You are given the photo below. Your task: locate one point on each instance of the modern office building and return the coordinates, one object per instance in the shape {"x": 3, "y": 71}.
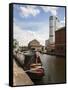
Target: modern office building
{"x": 46, "y": 43}
{"x": 54, "y": 24}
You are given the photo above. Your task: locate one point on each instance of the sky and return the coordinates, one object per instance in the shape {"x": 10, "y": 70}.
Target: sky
{"x": 32, "y": 22}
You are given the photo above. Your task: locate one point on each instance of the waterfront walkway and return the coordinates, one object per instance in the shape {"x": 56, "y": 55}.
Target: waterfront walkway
{"x": 19, "y": 76}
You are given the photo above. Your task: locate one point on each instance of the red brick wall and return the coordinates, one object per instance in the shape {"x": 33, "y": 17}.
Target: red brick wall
{"x": 60, "y": 41}
{"x": 60, "y": 36}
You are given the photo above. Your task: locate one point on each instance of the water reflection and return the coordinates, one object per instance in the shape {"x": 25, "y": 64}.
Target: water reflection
{"x": 54, "y": 67}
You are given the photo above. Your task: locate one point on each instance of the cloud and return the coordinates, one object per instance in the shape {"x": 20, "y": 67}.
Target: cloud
{"x": 33, "y": 10}
{"x": 30, "y": 26}
{"x": 52, "y": 10}
{"x": 29, "y": 10}
{"x": 62, "y": 22}
{"x": 23, "y": 36}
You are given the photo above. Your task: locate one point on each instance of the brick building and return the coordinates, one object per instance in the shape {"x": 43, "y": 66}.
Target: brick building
{"x": 60, "y": 41}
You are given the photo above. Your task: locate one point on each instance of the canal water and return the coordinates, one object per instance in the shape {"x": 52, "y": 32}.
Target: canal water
{"x": 54, "y": 68}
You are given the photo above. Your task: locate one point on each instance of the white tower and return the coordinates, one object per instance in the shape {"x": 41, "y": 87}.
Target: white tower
{"x": 53, "y": 25}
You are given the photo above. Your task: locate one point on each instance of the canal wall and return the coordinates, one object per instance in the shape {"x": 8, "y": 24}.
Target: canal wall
{"x": 55, "y": 54}
{"x": 19, "y": 76}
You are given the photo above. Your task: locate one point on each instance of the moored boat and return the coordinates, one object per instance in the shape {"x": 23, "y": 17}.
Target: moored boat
{"x": 36, "y": 71}
{"x": 33, "y": 66}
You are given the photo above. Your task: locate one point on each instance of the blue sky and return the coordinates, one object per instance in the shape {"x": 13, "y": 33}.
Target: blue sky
{"x": 32, "y": 22}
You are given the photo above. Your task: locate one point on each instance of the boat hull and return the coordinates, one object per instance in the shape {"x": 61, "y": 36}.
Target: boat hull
{"x": 38, "y": 74}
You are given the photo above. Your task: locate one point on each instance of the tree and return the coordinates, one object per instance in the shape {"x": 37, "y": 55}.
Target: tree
{"x": 15, "y": 43}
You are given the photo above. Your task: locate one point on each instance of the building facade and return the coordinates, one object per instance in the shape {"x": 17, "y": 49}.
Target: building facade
{"x": 46, "y": 43}
{"x": 35, "y": 45}
{"x": 60, "y": 41}
{"x": 54, "y": 24}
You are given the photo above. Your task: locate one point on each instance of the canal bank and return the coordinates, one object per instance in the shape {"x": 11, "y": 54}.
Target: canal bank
{"x": 19, "y": 76}
{"x": 54, "y": 72}
{"x": 54, "y": 54}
